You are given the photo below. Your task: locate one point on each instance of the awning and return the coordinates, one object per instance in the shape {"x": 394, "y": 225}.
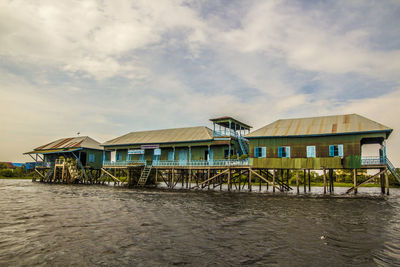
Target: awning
{"x": 52, "y": 151}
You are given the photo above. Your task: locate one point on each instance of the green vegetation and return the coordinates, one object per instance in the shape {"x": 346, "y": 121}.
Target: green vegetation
{"x": 17, "y": 173}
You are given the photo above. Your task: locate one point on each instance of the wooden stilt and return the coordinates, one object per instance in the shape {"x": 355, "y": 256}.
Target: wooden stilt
{"x": 309, "y": 180}
{"x": 190, "y": 178}
{"x": 173, "y": 178}
{"x": 249, "y": 186}
{"x": 355, "y": 181}
{"x": 273, "y": 181}
{"x": 324, "y": 181}
{"x": 229, "y": 179}
{"x": 297, "y": 182}
{"x": 156, "y": 181}
{"x": 305, "y": 180}
{"x": 382, "y": 180}
{"x": 387, "y": 183}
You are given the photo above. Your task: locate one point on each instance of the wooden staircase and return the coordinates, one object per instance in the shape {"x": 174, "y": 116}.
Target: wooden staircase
{"x": 144, "y": 175}
{"x": 73, "y": 172}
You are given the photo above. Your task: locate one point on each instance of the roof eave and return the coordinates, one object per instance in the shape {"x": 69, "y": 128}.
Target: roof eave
{"x": 158, "y": 143}
{"x": 389, "y": 131}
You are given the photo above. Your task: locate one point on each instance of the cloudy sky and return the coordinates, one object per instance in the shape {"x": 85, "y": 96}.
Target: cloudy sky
{"x": 108, "y": 67}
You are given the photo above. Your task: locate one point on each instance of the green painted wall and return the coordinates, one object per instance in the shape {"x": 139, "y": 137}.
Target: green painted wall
{"x": 197, "y": 152}
{"x": 298, "y": 153}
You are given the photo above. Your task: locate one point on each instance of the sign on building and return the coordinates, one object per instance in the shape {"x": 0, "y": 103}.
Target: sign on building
{"x": 135, "y": 151}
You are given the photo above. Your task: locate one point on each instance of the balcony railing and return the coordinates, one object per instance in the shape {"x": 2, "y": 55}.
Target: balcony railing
{"x": 232, "y": 162}
{"x": 124, "y": 163}
{"x": 41, "y": 164}
{"x": 373, "y": 160}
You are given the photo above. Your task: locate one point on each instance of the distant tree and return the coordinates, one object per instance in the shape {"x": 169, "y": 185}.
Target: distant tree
{"x": 3, "y": 166}
{"x": 6, "y": 173}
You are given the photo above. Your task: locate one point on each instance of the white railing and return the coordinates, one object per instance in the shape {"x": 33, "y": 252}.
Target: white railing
{"x": 43, "y": 164}
{"x": 225, "y": 133}
{"x": 124, "y": 163}
{"x": 373, "y": 160}
{"x": 222, "y": 162}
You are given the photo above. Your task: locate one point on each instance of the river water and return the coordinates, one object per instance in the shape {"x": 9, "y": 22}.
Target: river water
{"x": 64, "y": 225}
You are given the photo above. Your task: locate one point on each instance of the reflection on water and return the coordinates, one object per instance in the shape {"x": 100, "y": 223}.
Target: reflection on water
{"x": 43, "y": 224}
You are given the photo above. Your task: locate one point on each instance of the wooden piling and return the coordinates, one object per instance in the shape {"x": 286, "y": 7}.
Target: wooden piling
{"x": 249, "y": 186}
{"x": 355, "y": 181}
{"x": 297, "y": 182}
{"x": 273, "y": 181}
{"x": 387, "y": 183}
{"x": 324, "y": 181}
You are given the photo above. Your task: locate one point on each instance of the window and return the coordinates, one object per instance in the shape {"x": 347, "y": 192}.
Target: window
{"x": 336, "y": 151}
{"x": 91, "y": 157}
{"x": 171, "y": 155}
{"x": 260, "y": 152}
{"x": 284, "y": 152}
{"x": 311, "y": 152}
{"x": 118, "y": 156}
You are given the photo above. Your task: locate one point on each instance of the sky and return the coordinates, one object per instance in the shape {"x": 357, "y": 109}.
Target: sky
{"x": 108, "y": 67}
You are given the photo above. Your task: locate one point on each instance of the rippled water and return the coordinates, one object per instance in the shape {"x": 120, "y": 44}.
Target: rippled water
{"x": 58, "y": 225}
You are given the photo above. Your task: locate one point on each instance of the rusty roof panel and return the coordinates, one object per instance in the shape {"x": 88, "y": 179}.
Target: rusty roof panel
{"x": 350, "y": 123}
{"x": 72, "y": 142}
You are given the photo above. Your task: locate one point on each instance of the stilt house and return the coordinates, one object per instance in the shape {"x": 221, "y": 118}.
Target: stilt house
{"x": 179, "y": 146}
{"x": 331, "y": 142}
{"x": 86, "y": 150}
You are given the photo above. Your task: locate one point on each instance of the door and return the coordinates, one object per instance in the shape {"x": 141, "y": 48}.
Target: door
{"x": 83, "y": 158}
{"x": 113, "y": 156}
{"x": 182, "y": 157}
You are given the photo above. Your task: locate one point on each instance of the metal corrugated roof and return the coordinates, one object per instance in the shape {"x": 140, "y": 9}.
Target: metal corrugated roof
{"x": 72, "y": 142}
{"x": 190, "y": 134}
{"x": 51, "y": 151}
{"x": 337, "y": 124}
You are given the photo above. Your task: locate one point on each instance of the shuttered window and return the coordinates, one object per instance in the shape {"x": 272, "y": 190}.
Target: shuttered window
{"x": 311, "y": 152}
{"x": 260, "y": 152}
{"x": 284, "y": 152}
{"x": 336, "y": 150}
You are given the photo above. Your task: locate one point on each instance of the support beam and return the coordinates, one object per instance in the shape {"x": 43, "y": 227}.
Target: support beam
{"x": 369, "y": 179}
{"x": 297, "y": 182}
{"x": 215, "y": 176}
{"x": 263, "y": 178}
{"x": 324, "y": 181}
{"x": 112, "y": 176}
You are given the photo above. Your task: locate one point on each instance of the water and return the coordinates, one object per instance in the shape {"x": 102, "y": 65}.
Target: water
{"x": 59, "y": 225}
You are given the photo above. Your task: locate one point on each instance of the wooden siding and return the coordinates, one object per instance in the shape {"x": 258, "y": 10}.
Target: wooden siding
{"x": 298, "y": 151}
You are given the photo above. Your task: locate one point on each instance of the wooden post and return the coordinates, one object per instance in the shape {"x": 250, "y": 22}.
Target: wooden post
{"x": 387, "y": 183}
{"x": 62, "y": 172}
{"x": 208, "y": 175}
{"x": 382, "y": 180}
{"x": 173, "y": 178}
{"x": 250, "y": 180}
{"x": 190, "y": 178}
{"x": 309, "y": 180}
{"x": 324, "y": 181}
{"x": 273, "y": 181}
{"x": 229, "y": 179}
{"x": 297, "y": 182}
{"x": 305, "y": 180}
{"x": 355, "y": 180}
{"x": 154, "y": 181}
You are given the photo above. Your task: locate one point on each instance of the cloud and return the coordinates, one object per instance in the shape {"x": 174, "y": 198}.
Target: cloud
{"x": 106, "y": 68}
